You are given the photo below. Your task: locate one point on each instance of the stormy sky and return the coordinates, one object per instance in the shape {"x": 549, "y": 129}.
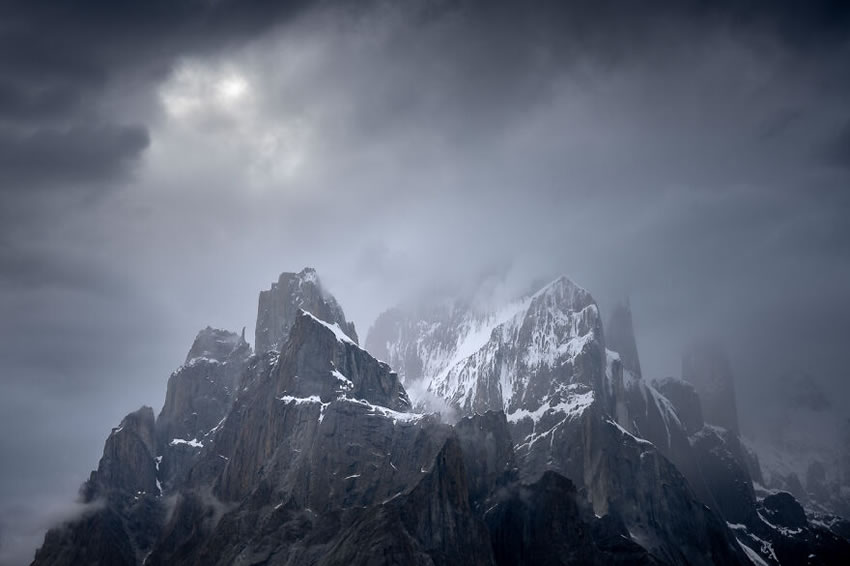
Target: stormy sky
{"x": 162, "y": 161}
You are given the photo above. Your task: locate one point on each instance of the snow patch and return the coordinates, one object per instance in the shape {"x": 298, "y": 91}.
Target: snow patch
{"x": 346, "y": 383}
{"x": 752, "y": 555}
{"x": 194, "y": 443}
{"x": 642, "y": 441}
{"x": 340, "y": 335}
{"x": 377, "y": 410}
{"x": 307, "y": 400}
{"x": 573, "y": 407}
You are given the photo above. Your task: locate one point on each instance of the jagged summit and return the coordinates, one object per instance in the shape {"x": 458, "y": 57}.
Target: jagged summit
{"x": 706, "y": 366}
{"x": 278, "y": 306}
{"x": 127, "y": 462}
{"x": 320, "y": 360}
{"x": 620, "y": 336}
{"x": 216, "y": 344}
{"x": 198, "y": 396}
{"x": 461, "y": 327}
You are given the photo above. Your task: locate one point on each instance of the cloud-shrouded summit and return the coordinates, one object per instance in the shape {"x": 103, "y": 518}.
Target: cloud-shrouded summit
{"x": 160, "y": 162}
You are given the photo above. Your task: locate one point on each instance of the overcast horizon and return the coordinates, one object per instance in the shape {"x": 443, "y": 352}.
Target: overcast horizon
{"x": 162, "y": 162}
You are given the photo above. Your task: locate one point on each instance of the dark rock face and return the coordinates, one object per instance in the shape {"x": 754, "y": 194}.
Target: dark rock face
{"x": 628, "y": 476}
{"x": 198, "y": 397}
{"x": 321, "y": 386}
{"x": 548, "y": 523}
{"x": 543, "y": 361}
{"x": 707, "y": 368}
{"x": 310, "y": 453}
{"x": 685, "y": 400}
{"x": 278, "y": 308}
{"x": 216, "y": 344}
{"x": 313, "y": 474}
{"x": 128, "y": 462}
{"x": 98, "y": 538}
{"x": 720, "y": 458}
{"x": 783, "y": 534}
{"x": 119, "y": 524}
{"x": 783, "y": 510}
{"x": 488, "y": 453}
{"x": 655, "y": 418}
{"x": 620, "y": 337}
{"x": 437, "y": 513}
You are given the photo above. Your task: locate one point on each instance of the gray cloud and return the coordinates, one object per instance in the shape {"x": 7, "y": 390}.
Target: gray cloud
{"x": 67, "y": 157}
{"x": 836, "y": 151}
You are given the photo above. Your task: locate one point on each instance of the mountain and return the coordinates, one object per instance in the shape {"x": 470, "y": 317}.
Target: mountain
{"x": 620, "y": 334}
{"x": 707, "y": 368}
{"x": 803, "y": 444}
{"x": 310, "y": 450}
{"x": 542, "y": 360}
{"x": 576, "y": 405}
{"x": 278, "y": 307}
{"x": 198, "y": 398}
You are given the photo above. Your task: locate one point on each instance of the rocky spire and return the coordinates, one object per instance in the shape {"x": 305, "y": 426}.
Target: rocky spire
{"x": 199, "y": 395}
{"x": 707, "y": 368}
{"x": 128, "y": 463}
{"x": 620, "y": 337}
{"x": 278, "y": 308}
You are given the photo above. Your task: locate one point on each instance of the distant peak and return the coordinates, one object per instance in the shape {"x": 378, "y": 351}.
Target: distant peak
{"x": 216, "y": 344}
{"x": 562, "y": 283}
{"x": 620, "y": 336}
{"x": 564, "y": 290}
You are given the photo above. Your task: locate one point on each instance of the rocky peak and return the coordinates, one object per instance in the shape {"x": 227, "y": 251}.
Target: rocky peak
{"x": 320, "y": 359}
{"x": 782, "y": 509}
{"x": 685, "y": 400}
{"x": 128, "y": 463}
{"x": 488, "y": 453}
{"x": 801, "y": 390}
{"x": 518, "y": 356}
{"x": 706, "y": 366}
{"x": 278, "y": 307}
{"x": 216, "y": 344}
{"x": 198, "y": 396}
{"x": 620, "y": 337}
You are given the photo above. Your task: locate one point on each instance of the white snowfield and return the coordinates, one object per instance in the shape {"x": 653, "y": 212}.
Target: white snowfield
{"x": 552, "y": 328}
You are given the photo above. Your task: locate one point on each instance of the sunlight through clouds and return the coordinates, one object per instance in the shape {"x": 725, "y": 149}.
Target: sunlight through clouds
{"x": 197, "y": 89}
{"x": 218, "y": 110}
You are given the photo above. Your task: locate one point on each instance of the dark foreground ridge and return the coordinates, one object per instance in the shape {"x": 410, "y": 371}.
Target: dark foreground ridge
{"x": 310, "y": 452}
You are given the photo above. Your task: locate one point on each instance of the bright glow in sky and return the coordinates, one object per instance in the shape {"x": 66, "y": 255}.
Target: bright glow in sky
{"x": 231, "y": 89}
{"x": 198, "y": 89}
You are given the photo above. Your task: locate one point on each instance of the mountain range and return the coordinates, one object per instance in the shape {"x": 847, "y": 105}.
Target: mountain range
{"x": 523, "y": 434}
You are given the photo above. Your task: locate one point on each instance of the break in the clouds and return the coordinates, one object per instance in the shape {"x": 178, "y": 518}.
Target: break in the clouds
{"x": 161, "y": 162}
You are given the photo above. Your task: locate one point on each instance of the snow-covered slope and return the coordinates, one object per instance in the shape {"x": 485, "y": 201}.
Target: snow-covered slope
{"x": 542, "y": 360}
{"x": 520, "y": 357}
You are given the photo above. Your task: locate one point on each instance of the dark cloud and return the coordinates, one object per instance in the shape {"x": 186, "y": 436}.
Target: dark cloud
{"x": 63, "y": 158}
{"x": 836, "y": 150}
